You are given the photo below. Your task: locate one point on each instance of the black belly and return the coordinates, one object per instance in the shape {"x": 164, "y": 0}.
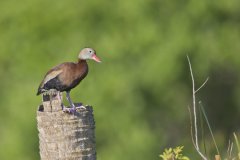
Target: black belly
{"x": 55, "y": 83}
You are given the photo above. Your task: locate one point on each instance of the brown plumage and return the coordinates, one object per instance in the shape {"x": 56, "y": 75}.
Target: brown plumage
{"x": 67, "y": 75}
{"x": 64, "y": 77}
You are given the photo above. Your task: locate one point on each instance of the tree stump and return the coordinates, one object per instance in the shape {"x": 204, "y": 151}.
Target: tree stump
{"x": 64, "y": 136}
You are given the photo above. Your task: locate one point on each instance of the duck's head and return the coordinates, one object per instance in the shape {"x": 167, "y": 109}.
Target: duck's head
{"x": 88, "y": 53}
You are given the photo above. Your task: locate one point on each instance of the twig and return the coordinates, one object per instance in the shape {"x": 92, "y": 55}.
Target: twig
{"x": 237, "y": 143}
{"x": 202, "y": 85}
{"x": 189, "y": 109}
{"x": 228, "y": 149}
{"x": 231, "y": 149}
{"x": 194, "y": 110}
{"x": 194, "y": 103}
{"x": 236, "y": 140}
{"x": 209, "y": 127}
{"x": 203, "y": 132}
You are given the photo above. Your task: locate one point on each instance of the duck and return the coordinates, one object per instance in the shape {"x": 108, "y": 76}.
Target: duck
{"x": 66, "y": 76}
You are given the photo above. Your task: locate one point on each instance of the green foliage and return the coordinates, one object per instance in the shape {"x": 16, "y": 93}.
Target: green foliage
{"x": 174, "y": 154}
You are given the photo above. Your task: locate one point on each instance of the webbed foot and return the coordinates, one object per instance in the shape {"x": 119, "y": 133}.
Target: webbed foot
{"x": 69, "y": 110}
{"x": 81, "y": 107}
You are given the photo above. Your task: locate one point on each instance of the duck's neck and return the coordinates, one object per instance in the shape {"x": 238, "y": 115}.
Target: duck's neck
{"x": 81, "y": 61}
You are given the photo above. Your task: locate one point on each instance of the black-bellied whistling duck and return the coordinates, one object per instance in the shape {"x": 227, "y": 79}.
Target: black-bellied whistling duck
{"x": 68, "y": 75}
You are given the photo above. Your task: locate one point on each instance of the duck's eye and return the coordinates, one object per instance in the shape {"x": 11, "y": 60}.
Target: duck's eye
{"x": 90, "y": 51}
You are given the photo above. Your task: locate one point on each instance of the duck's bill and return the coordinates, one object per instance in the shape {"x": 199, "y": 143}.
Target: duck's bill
{"x": 95, "y": 58}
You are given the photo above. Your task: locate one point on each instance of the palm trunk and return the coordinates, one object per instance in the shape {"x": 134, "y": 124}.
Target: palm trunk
{"x": 64, "y": 136}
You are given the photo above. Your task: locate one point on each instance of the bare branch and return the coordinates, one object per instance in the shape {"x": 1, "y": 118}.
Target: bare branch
{"x": 194, "y": 104}
{"x": 194, "y": 111}
{"x": 231, "y": 149}
{"x": 202, "y": 85}
{"x": 209, "y": 127}
{"x": 228, "y": 149}
{"x": 190, "y": 115}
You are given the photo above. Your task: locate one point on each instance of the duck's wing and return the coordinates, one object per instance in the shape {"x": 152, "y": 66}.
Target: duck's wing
{"x": 51, "y": 74}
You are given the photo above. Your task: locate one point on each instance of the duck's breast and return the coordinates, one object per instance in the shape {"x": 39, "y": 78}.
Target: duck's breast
{"x": 72, "y": 74}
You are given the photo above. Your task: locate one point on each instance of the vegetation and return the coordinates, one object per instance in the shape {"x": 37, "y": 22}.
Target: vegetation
{"x": 173, "y": 154}
{"x": 141, "y": 91}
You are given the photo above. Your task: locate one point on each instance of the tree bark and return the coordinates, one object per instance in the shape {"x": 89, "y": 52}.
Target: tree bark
{"x": 64, "y": 136}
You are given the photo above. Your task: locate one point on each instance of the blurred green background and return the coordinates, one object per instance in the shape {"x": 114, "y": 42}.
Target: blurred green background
{"x": 141, "y": 91}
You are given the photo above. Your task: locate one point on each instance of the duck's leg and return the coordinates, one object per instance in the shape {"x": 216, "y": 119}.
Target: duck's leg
{"x": 69, "y": 100}
{"x": 73, "y": 108}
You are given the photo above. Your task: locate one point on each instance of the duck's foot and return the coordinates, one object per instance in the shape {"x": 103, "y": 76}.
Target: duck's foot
{"x": 81, "y": 107}
{"x": 74, "y": 109}
{"x": 69, "y": 110}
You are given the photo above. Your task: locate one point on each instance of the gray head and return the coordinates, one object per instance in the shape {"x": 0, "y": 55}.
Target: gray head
{"x": 88, "y": 53}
